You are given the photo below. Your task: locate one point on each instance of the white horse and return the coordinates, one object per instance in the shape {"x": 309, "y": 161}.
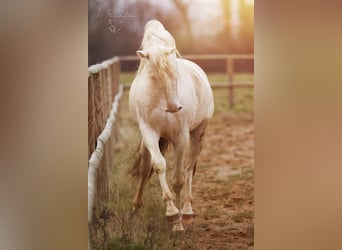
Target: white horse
{"x": 172, "y": 102}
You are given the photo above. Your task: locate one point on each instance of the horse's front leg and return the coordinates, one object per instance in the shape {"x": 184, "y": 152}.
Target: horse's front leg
{"x": 151, "y": 141}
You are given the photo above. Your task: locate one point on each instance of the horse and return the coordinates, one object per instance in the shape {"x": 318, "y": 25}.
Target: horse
{"x": 172, "y": 102}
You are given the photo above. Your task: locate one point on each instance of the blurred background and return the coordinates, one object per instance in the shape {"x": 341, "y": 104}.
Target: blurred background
{"x": 199, "y": 27}
{"x": 44, "y": 113}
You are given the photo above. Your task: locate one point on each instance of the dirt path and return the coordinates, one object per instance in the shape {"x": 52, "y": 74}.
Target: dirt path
{"x": 223, "y": 185}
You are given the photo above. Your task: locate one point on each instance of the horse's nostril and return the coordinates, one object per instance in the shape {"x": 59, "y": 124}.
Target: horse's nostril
{"x": 179, "y": 108}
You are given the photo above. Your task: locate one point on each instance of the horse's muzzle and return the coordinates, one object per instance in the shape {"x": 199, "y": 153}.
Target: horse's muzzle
{"x": 173, "y": 108}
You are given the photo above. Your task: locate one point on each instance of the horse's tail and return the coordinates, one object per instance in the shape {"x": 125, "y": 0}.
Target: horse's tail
{"x": 200, "y": 142}
{"x": 134, "y": 170}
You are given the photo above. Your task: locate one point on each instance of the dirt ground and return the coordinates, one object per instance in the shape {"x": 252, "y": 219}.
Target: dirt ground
{"x": 223, "y": 185}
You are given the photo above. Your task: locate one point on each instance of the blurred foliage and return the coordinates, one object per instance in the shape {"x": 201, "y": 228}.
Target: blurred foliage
{"x": 116, "y": 28}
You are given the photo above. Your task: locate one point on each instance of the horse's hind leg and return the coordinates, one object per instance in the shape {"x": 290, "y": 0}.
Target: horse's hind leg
{"x": 144, "y": 169}
{"x": 195, "y": 149}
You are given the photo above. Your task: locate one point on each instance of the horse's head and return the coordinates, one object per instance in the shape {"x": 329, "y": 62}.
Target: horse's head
{"x": 154, "y": 24}
{"x": 161, "y": 64}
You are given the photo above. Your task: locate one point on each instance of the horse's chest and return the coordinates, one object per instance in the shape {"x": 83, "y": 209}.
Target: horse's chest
{"x": 166, "y": 125}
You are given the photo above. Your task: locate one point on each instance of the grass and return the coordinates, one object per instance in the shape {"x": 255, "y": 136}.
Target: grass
{"x": 126, "y": 78}
{"x": 210, "y": 213}
{"x": 246, "y": 174}
{"x": 242, "y": 215}
{"x": 223, "y": 77}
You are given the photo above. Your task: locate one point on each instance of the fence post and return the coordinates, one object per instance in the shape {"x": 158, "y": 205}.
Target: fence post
{"x": 230, "y": 72}
{"x": 98, "y": 103}
{"x": 115, "y": 75}
{"x": 91, "y": 117}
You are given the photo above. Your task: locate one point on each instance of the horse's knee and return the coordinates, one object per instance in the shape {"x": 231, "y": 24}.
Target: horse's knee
{"x": 159, "y": 166}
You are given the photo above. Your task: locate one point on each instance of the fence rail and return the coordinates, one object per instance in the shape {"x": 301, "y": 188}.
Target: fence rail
{"x": 230, "y": 62}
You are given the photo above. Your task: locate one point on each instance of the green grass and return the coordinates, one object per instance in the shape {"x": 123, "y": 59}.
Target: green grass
{"x": 223, "y": 77}
{"x": 243, "y": 100}
{"x": 127, "y": 77}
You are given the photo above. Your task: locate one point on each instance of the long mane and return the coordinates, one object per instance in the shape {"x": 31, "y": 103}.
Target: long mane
{"x": 160, "y": 63}
{"x": 155, "y": 35}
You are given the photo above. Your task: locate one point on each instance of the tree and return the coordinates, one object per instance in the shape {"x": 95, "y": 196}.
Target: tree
{"x": 183, "y": 10}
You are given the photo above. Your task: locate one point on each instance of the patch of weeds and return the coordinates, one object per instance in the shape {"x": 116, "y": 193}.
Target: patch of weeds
{"x": 210, "y": 213}
{"x": 124, "y": 244}
{"x": 204, "y": 226}
{"x": 246, "y": 175}
{"x": 202, "y": 166}
{"x": 241, "y": 216}
{"x": 218, "y": 181}
{"x": 250, "y": 234}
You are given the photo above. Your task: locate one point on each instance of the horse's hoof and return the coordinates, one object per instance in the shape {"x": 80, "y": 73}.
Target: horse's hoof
{"x": 174, "y": 219}
{"x": 178, "y": 227}
{"x": 188, "y": 219}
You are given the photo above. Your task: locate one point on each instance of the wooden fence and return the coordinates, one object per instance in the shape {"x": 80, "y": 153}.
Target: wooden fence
{"x": 230, "y": 62}
{"x": 103, "y": 88}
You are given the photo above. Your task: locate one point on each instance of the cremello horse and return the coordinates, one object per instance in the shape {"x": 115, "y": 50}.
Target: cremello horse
{"x": 172, "y": 102}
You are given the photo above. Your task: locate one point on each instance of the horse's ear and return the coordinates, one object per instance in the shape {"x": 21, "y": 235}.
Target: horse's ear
{"x": 170, "y": 50}
{"x": 142, "y": 53}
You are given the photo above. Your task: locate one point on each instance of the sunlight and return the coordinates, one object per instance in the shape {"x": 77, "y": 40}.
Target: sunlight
{"x": 235, "y": 17}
